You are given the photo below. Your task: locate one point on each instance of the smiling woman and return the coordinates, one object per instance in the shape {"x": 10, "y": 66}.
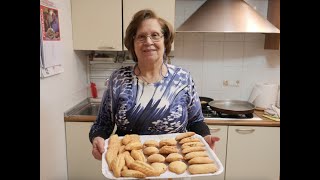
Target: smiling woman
{"x": 152, "y": 97}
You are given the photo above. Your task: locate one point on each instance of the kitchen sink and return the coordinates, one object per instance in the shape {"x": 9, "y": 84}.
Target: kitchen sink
{"x": 85, "y": 108}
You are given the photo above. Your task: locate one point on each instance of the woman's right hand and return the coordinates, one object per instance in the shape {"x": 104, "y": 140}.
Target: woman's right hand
{"x": 97, "y": 147}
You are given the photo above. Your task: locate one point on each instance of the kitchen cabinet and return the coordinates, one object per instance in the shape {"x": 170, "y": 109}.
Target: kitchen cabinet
{"x": 253, "y": 153}
{"x": 272, "y": 41}
{"x": 164, "y": 9}
{"x": 97, "y": 24}
{"x": 81, "y": 163}
{"x": 220, "y": 149}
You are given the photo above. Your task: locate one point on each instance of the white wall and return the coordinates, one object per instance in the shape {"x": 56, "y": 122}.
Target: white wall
{"x": 57, "y": 94}
{"x": 214, "y": 57}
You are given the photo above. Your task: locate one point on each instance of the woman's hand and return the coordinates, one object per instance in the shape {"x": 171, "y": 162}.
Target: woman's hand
{"x": 211, "y": 140}
{"x": 97, "y": 147}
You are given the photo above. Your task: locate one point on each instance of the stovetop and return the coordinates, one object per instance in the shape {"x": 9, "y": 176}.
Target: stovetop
{"x": 210, "y": 114}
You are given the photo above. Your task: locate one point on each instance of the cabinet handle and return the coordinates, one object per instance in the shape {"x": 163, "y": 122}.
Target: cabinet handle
{"x": 245, "y": 131}
{"x": 106, "y": 47}
{"x": 212, "y": 129}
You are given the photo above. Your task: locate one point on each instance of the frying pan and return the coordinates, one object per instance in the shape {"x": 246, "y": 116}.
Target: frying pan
{"x": 232, "y": 106}
{"x": 204, "y": 101}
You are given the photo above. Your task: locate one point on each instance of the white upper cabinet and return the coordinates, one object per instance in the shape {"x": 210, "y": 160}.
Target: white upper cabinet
{"x": 101, "y": 24}
{"x": 97, "y": 25}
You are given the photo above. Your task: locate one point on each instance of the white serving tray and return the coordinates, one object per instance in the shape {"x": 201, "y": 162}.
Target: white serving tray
{"x": 168, "y": 174}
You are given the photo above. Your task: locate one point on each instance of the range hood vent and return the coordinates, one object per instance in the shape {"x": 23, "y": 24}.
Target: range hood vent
{"x": 227, "y": 16}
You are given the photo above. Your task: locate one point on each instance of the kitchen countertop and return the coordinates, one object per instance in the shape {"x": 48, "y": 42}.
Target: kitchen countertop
{"x": 263, "y": 122}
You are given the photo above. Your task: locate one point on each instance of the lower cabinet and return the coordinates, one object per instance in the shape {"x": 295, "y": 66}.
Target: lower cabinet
{"x": 253, "y": 153}
{"x": 81, "y": 163}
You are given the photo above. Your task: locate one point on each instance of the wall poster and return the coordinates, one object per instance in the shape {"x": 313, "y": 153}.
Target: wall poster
{"x": 51, "y": 46}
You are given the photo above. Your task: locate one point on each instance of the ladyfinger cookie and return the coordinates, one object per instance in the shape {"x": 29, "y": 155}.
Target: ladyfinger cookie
{"x": 202, "y": 168}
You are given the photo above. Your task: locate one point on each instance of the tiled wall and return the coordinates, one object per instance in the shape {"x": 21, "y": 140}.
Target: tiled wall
{"x": 214, "y": 57}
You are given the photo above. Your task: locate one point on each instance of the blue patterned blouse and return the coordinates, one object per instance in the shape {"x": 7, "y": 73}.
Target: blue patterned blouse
{"x": 169, "y": 106}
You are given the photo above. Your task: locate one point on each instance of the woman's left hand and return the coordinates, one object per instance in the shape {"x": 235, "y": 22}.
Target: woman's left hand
{"x": 211, "y": 140}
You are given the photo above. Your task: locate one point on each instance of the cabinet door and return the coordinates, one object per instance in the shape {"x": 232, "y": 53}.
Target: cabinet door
{"x": 253, "y": 153}
{"x": 220, "y": 149}
{"x": 97, "y": 25}
{"x": 164, "y": 9}
{"x": 81, "y": 163}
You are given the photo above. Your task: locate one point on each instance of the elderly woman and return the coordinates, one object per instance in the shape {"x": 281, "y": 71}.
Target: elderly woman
{"x": 152, "y": 97}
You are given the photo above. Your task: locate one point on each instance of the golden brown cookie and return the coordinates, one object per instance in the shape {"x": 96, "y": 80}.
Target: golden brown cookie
{"x": 132, "y": 173}
{"x": 202, "y": 168}
{"x": 128, "y": 159}
{"x": 138, "y": 155}
{"x": 149, "y": 143}
{"x": 111, "y": 153}
{"x": 167, "y": 142}
{"x": 189, "y": 139}
{"x": 192, "y": 144}
{"x": 156, "y": 158}
{"x": 117, "y": 165}
{"x": 200, "y": 160}
{"x": 184, "y": 135}
{"x": 177, "y": 167}
{"x": 193, "y": 149}
{"x": 130, "y": 138}
{"x": 133, "y": 145}
{"x": 195, "y": 154}
{"x": 150, "y": 150}
{"x": 168, "y": 149}
{"x": 160, "y": 167}
{"x": 174, "y": 157}
{"x": 145, "y": 168}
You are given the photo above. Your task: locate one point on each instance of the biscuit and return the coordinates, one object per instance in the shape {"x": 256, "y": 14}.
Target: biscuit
{"x": 117, "y": 165}
{"x": 174, "y": 157}
{"x": 133, "y": 145}
{"x": 177, "y": 167}
{"x": 130, "y": 138}
{"x": 144, "y": 168}
{"x": 138, "y": 155}
{"x": 195, "y": 154}
{"x": 192, "y": 144}
{"x": 167, "y": 142}
{"x": 189, "y": 139}
{"x": 202, "y": 168}
{"x": 184, "y": 135}
{"x": 128, "y": 159}
{"x": 153, "y": 143}
{"x": 160, "y": 167}
{"x": 132, "y": 173}
{"x": 156, "y": 158}
{"x": 121, "y": 149}
{"x": 150, "y": 150}
{"x": 111, "y": 154}
{"x": 193, "y": 149}
{"x": 200, "y": 160}
{"x": 114, "y": 140}
{"x": 168, "y": 149}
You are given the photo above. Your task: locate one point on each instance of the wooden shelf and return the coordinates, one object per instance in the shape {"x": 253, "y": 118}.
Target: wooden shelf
{"x": 272, "y": 41}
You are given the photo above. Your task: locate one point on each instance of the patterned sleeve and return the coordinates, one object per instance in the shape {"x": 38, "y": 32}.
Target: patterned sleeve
{"x": 195, "y": 116}
{"x": 104, "y": 124}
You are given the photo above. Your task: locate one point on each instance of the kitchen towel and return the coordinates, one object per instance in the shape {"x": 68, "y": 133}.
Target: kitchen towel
{"x": 264, "y": 94}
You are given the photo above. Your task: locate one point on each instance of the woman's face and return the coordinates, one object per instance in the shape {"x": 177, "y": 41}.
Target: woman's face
{"x": 146, "y": 49}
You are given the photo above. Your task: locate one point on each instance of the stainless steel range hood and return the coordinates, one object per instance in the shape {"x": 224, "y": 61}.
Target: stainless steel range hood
{"x": 227, "y": 16}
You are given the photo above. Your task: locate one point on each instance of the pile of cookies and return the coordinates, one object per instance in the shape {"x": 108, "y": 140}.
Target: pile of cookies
{"x": 128, "y": 157}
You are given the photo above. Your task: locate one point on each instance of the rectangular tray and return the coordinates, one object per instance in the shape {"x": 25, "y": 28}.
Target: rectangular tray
{"x": 168, "y": 174}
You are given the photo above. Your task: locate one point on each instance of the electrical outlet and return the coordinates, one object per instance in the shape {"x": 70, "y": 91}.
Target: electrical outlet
{"x": 231, "y": 83}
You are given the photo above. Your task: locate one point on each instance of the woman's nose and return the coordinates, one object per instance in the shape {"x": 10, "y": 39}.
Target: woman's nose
{"x": 148, "y": 40}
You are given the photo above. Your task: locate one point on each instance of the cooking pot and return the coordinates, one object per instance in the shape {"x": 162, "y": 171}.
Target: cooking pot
{"x": 232, "y": 106}
{"x": 204, "y": 101}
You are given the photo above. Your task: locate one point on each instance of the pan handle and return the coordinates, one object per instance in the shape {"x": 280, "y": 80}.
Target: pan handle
{"x": 245, "y": 130}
